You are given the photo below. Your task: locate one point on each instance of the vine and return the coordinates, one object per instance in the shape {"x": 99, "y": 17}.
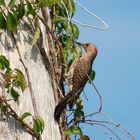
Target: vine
{"x": 64, "y": 48}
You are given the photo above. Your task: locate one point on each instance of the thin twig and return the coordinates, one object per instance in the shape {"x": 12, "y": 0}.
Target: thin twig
{"x": 98, "y": 93}
{"x": 28, "y": 77}
{"x": 124, "y": 131}
{"x": 16, "y": 117}
{"x": 99, "y": 121}
{"x": 119, "y": 126}
{"x": 100, "y": 98}
{"x": 85, "y": 95}
{"x": 104, "y": 127}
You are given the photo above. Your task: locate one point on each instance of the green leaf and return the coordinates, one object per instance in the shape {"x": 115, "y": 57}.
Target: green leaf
{"x": 8, "y": 87}
{"x": 75, "y": 31}
{"x": 3, "y": 107}
{"x": 14, "y": 94}
{"x": 64, "y": 23}
{"x": 78, "y": 49}
{"x": 4, "y": 63}
{"x": 69, "y": 42}
{"x": 30, "y": 9}
{"x": 76, "y": 52}
{"x": 8, "y": 72}
{"x": 79, "y": 103}
{"x": 26, "y": 114}
{"x": 78, "y": 112}
{"x": 8, "y": 77}
{"x": 2, "y": 21}
{"x": 92, "y": 76}
{"x": 38, "y": 125}
{"x": 73, "y": 8}
{"x": 70, "y": 5}
{"x": 36, "y": 36}
{"x": 65, "y": 39}
{"x": 11, "y": 21}
{"x": 2, "y": 2}
{"x": 21, "y": 9}
{"x": 73, "y": 130}
{"x": 19, "y": 80}
{"x": 11, "y": 3}
{"x": 66, "y": 55}
{"x": 59, "y": 29}
{"x": 73, "y": 54}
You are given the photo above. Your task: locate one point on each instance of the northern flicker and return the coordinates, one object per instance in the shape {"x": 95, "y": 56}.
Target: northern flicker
{"x": 78, "y": 76}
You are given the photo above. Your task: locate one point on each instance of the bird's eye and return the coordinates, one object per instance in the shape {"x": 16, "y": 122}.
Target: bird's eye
{"x": 87, "y": 44}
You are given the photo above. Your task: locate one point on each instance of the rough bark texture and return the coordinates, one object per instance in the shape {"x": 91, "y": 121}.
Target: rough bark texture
{"x": 40, "y": 82}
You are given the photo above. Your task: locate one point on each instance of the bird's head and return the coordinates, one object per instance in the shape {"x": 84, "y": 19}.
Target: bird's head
{"x": 90, "y": 48}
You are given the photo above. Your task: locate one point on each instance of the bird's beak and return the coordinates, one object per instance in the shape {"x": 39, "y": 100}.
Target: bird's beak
{"x": 84, "y": 46}
{"x": 79, "y": 43}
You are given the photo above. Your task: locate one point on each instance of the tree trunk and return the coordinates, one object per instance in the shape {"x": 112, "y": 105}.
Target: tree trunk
{"x": 38, "y": 98}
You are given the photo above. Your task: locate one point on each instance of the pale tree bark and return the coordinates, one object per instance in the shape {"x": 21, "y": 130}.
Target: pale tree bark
{"x": 38, "y": 98}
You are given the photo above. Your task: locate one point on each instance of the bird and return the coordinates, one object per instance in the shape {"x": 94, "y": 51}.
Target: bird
{"x": 77, "y": 78}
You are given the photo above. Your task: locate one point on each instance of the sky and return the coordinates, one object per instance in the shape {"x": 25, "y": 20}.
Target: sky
{"x": 117, "y": 65}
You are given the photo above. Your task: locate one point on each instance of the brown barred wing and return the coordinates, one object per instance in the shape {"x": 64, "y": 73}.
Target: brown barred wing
{"x": 79, "y": 78}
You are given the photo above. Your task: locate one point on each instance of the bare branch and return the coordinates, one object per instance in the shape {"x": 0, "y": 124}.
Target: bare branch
{"x": 119, "y": 126}
{"x": 91, "y": 123}
{"x": 12, "y": 113}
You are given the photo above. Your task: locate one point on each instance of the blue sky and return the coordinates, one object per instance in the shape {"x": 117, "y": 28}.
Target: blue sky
{"x": 117, "y": 65}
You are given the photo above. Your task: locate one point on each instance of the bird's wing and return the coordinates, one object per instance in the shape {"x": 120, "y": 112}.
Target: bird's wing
{"x": 70, "y": 73}
{"x": 81, "y": 68}
{"x": 77, "y": 75}
{"x": 80, "y": 72}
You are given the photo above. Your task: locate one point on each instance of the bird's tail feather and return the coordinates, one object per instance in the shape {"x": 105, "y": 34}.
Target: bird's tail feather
{"x": 61, "y": 106}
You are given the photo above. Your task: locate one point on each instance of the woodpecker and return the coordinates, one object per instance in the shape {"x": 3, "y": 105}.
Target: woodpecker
{"x": 77, "y": 78}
